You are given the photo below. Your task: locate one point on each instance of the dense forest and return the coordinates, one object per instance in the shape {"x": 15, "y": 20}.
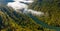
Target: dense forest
{"x": 11, "y": 20}
{"x": 51, "y": 8}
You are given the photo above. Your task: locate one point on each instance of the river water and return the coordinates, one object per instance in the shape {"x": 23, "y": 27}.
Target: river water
{"x": 43, "y": 23}
{"x": 5, "y": 1}
{"x": 34, "y": 18}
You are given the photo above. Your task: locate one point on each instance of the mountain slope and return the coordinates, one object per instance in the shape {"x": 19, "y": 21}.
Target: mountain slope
{"x": 51, "y": 8}
{"x": 9, "y": 17}
{"x": 11, "y": 20}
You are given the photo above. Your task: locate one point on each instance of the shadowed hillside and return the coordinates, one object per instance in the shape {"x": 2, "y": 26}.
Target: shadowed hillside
{"x": 11, "y": 20}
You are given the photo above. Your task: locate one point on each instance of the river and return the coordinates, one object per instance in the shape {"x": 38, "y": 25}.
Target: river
{"x": 43, "y": 23}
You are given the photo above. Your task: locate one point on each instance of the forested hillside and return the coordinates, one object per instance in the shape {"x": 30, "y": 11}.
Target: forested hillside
{"x": 11, "y": 20}
{"x": 51, "y": 8}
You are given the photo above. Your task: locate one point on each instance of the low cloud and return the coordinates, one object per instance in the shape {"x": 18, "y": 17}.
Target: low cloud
{"x": 34, "y": 12}
{"x": 17, "y": 5}
{"x": 25, "y": 1}
{"x": 23, "y": 8}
